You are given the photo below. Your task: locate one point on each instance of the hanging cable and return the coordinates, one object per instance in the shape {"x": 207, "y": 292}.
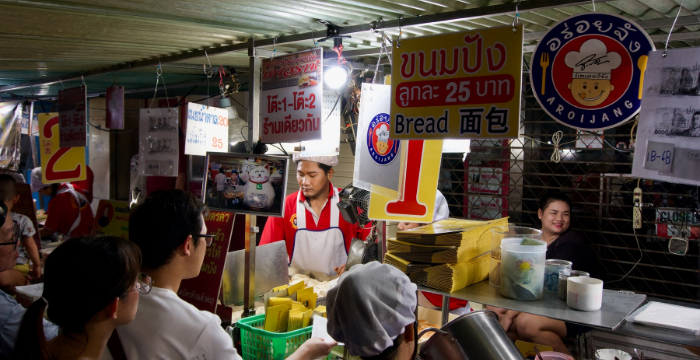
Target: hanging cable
{"x": 516, "y": 19}
{"x": 668, "y": 39}
{"x": 556, "y": 139}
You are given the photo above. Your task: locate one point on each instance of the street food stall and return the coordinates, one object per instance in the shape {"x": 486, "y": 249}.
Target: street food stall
{"x": 436, "y": 137}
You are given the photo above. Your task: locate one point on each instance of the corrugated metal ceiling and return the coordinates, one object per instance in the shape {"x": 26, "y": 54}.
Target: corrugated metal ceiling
{"x": 44, "y": 38}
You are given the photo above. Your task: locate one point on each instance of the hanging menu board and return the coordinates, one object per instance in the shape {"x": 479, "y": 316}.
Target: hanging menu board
{"x": 207, "y": 130}
{"x": 72, "y": 112}
{"x": 292, "y": 95}
{"x": 460, "y": 85}
{"x": 158, "y": 142}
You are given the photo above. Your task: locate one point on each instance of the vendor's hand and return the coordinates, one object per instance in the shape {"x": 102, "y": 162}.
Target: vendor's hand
{"x": 36, "y": 271}
{"x": 340, "y": 269}
{"x": 314, "y": 348}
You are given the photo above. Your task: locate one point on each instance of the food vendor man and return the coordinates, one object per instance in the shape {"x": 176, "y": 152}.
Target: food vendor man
{"x": 317, "y": 236}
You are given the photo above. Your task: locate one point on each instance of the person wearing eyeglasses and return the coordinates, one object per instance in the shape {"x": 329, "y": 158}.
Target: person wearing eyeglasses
{"x": 11, "y": 312}
{"x": 170, "y": 230}
{"x": 108, "y": 267}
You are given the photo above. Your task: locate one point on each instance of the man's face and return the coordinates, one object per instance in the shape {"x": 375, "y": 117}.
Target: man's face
{"x": 199, "y": 252}
{"x": 590, "y": 92}
{"x": 696, "y": 121}
{"x": 8, "y": 253}
{"x": 234, "y": 176}
{"x": 673, "y": 74}
{"x": 311, "y": 178}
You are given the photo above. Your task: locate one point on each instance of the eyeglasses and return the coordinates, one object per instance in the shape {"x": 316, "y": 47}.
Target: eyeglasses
{"x": 16, "y": 236}
{"x": 208, "y": 238}
{"x": 144, "y": 284}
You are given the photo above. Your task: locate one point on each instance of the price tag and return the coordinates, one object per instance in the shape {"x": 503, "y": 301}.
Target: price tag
{"x": 207, "y": 129}
{"x": 659, "y": 156}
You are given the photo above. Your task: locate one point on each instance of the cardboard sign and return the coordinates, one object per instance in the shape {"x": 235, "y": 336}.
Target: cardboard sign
{"x": 672, "y": 222}
{"x": 207, "y": 130}
{"x": 114, "y": 102}
{"x": 292, "y": 93}
{"x": 112, "y": 218}
{"x": 203, "y": 290}
{"x": 25, "y": 206}
{"x": 378, "y": 158}
{"x": 72, "y": 111}
{"x": 420, "y": 186}
{"x": 669, "y": 125}
{"x": 458, "y": 85}
{"x": 587, "y": 72}
{"x": 58, "y": 164}
{"x": 158, "y": 142}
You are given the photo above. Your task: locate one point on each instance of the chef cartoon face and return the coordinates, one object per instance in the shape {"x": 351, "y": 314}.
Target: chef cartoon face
{"x": 382, "y": 139}
{"x": 592, "y": 64}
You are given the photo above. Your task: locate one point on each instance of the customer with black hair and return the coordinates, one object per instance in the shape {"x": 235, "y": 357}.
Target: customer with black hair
{"x": 11, "y": 312}
{"x": 28, "y": 250}
{"x": 108, "y": 269}
{"x": 170, "y": 230}
{"x": 563, "y": 244}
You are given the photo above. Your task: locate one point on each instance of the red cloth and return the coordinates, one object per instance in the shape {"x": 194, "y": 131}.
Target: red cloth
{"x": 437, "y": 301}
{"x": 87, "y": 184}
{"x": 63, "y": 210}
{"x": 278, "y": 229}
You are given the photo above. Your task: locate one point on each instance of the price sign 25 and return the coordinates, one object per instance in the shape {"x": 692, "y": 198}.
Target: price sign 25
{"x": 217, "y": 142}
{"x": 58, "y": 164}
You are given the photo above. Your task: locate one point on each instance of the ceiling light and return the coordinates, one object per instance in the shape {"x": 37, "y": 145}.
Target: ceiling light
{"x": 335, "y": 76}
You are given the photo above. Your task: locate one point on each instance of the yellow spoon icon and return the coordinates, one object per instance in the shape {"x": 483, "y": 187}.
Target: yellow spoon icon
{"x": 642, "y": 65}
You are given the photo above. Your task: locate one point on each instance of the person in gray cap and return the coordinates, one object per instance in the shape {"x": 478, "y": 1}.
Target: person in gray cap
{"x": 371, "y": 310}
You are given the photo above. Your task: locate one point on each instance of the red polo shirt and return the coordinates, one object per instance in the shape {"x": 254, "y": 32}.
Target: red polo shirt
{"x": 284, "y": 228}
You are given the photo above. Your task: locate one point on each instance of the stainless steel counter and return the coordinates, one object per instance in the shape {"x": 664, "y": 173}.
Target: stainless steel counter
{"x": 616, "y": 305}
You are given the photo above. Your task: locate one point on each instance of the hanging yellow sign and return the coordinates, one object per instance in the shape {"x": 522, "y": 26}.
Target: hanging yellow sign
{"x": 458, "y": 86}
{"x": 58, "y": 164}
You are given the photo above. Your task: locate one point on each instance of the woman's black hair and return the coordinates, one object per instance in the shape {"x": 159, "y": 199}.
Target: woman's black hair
{"x": 107, "y": 267}
{"x": 552, "y": 196}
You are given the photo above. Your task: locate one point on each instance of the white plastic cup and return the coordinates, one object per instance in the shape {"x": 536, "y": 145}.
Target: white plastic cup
{"x": 584, "y": 293}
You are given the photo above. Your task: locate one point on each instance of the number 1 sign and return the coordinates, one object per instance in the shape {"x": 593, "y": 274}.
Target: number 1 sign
{"x": 422, "y": 170}
{"x": 58, "y": 164}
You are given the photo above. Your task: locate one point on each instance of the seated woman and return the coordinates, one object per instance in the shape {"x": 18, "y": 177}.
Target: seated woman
{"x": 371, "y": 310}
{"x": 92, "y": 285}
{"x": 563, "y": 244}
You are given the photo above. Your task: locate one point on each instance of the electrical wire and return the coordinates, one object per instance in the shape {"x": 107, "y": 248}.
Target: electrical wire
{"x": 111, "y": 131}
{"x": 334, "y": 105}
{"x": 636, "y": 238}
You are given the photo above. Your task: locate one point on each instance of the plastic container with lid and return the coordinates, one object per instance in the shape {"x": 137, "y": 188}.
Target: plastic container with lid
{"x": 522, "y": 269}
{"x": 551, "y": 273}
{"x": 500, "y": 233}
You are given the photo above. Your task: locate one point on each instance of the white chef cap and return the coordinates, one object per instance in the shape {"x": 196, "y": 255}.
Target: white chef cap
{"x": 442, "y": 211}
{"x": 326, "y": 160}
{"x": 36, "y": 182}
{"x": 370, "y": 307}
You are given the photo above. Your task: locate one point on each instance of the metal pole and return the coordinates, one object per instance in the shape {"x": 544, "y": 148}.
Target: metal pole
{"x": 445, "y": 310}
{"x": 31, "y": 136}
{"x": 249, "y": 274}
{"x": 254, "y": 87}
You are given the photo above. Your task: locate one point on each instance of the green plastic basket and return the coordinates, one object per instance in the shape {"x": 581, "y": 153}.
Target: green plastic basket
{"x": 265, "y": 345}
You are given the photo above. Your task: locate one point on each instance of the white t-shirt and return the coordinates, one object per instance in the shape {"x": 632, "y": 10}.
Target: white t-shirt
{"x": 167, "y": 327}
{"x": 220, "y": 180}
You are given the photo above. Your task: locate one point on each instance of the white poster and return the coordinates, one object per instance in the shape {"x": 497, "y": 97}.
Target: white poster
{"x": 158, "y": 142}
{"x": 292, "y": 97}
{"x": 668, "y": 134}
{"x": 207, "y": 129}
{"x": 377, "y": 158}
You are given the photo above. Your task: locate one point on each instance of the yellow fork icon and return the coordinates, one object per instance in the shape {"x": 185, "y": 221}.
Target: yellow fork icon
{"x": 544, "y": 63}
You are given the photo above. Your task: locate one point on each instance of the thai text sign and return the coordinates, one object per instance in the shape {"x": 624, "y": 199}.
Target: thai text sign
{"x": 203, "y": 290}
{"x": 72, "y": 111}
{"x": 112, "y": 218}
{"x": 460, "y": 85}
{"x": 587, "y": 72}
{"x": 58, "y": 164}
{"x": 292, "y": 95}
{"x": 207, "y": 130}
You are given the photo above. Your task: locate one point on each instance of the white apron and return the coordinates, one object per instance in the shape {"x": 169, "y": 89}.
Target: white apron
{"x": 317, "y": 252}
{"x": 78, "y": 197}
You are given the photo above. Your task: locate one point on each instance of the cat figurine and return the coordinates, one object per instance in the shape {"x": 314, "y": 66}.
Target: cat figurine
{"x": 259, "y": 194}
